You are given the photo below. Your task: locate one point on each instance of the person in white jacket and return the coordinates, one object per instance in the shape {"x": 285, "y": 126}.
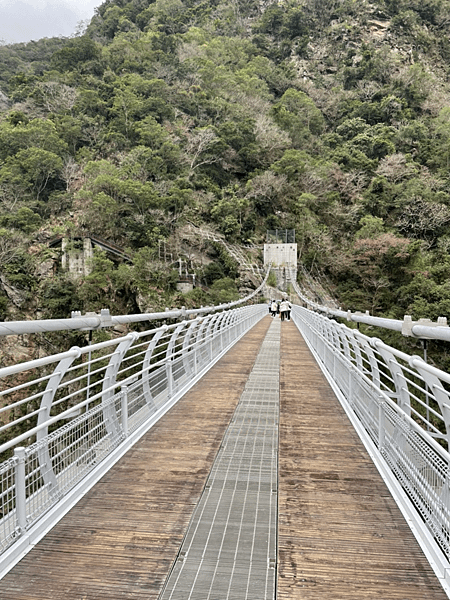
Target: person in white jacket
{"x": 274, "y": 308}
{"x": 284, "y": 309}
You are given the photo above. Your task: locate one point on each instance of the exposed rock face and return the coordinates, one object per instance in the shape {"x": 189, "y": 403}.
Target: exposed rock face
{"x": 248, "y": 281}
{"x": 46, "y": 269}
{"x": 145, "y": 306}
{"x": 120, "y": 329}
{"x": 16, "y": 297}
{"x": 16, "y": 349}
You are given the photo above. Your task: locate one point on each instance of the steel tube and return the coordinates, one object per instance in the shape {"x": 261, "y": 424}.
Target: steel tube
{"x": 124, "y": 407}
{"x": 434, "y": 333}
{"x": 89, "y": 322}
{"x": 21, "y": 508}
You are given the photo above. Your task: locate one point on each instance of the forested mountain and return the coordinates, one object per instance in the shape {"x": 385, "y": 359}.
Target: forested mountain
{"x": 329, "y": 117}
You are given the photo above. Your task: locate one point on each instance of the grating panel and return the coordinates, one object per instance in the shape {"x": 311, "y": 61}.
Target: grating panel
{"x": 229, "y": 551}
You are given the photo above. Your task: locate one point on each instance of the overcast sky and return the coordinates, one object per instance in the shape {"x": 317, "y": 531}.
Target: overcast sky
{"x": 25, "y": 20}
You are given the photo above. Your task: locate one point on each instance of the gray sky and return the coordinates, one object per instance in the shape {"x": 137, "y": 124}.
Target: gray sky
{"x": 25, "y": 20}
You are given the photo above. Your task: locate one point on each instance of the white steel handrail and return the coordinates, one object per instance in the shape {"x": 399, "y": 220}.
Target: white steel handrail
{"x": 421, "y": 329}
{"x": 92, "y": 321}
{"x": 81, "y": 415}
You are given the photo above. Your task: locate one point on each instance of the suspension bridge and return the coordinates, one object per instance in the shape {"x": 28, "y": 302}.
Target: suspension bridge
{"x": 224, "y": 455}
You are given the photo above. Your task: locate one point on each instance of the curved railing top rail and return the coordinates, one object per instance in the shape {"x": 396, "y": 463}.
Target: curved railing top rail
{"x": 376, "y": 360}
{"x": 82, "y": 368}
{"x": 421, "y": 329}
{"x": 105, "y": 319}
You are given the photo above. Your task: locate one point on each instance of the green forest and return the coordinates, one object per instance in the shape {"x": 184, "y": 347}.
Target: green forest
{"x": 331, "y": 118}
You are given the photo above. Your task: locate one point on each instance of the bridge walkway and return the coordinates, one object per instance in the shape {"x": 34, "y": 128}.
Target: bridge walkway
{"x": 340, "y": 534}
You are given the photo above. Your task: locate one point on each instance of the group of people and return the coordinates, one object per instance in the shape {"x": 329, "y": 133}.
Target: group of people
{"x": 283, "y": 308}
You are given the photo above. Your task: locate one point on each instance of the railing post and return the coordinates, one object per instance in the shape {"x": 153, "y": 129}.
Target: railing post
{"x": 220, "y": 331}
{"x": 110, "y": 415}
{"x": 21, "y": 497}
{"x": 146, "y": 365}
{"x": 210, "y": 335}
{"x": 401, "y": 384}
{"x": 436, "y": 389}
{"x": 169, "y": 377}
{"x": 195, "y": 351}
{"x": 381, "y": 425}
{"x": 350, "y": 387}
{"x": 124, "y": 406}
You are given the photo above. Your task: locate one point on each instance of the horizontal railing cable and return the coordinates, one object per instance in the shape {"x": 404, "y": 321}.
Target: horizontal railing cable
{"x": 105, "y": 319}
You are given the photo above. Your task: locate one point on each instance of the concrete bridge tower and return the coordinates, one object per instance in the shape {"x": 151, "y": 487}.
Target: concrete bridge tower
{"x": 280, "y": 252}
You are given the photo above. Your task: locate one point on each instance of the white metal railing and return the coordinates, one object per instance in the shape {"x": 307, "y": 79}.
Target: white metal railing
{"x": 92, "y": 321}
{"x": 64, "y": 416}
{"x": 421, "y": 329}
{"x": 400, "y": 405}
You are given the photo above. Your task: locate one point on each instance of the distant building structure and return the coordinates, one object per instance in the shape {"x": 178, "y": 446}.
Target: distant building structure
{"x": 280, "y": 249}
{"x": 186, "y": 281}
{"x": 77, "y": 253}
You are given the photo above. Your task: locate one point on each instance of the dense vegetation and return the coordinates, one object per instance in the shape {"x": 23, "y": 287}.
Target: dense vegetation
{"x": 331, "y": 118}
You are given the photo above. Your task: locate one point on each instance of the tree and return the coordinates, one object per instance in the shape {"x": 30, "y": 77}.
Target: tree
{"x": 293, "y": 164}
{"x": 229, "y": 212}
{"x": 424, "y": 220}
{"x": 371, "y": 227}
{"x": 297, "y": 113}
{"x": 10, "y": 245}
{"x": 224, "y": 290}
{"x": 24, "y": 219}
{"x": 37, "y": 133}
{"x": 203, "y": 147}
{"x": 80, "y": 52}
{"x": 442, "y": 139}
{"x": 395, "y": 168}
{"x": 119, "y": 184}
{"x": 126, "y": 108}
{"x": 378, "y": 263}
{"x": 267, "y": 191}
{"x": 55, "y": 96}
{"x": 97, "y": 287}
{"x": 71, "y": 172}
{"x": 162, "y": 155}
{"x": 36, "y": 169}
{"x": 60, "y": 297}
{"x": 101, "y": 216}
{"x": 271, "y": 140}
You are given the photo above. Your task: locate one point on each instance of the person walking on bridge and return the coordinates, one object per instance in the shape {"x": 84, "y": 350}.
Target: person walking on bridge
{"x": 274, "y": 308}
{"x": 284, "y": 309}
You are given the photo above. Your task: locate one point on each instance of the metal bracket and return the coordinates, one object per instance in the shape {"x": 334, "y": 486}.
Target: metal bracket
{"x": 408, "y": 324}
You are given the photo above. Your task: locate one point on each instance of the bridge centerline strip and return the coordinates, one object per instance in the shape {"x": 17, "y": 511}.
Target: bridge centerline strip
{"x": 229, "y": 549}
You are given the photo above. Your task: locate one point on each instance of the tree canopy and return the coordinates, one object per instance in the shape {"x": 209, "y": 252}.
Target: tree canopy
{"x": 329, "y": 118}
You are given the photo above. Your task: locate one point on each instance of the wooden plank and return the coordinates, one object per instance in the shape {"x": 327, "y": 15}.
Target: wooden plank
{"x": 122, "y": 537}
{"x": 341, "y": 535}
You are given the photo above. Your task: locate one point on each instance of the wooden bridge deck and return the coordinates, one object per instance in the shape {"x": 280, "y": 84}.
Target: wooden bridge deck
{"x": 341, "y": 536}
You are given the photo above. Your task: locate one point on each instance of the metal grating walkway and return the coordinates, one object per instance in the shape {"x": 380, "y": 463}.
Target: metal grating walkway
{"x": 230, "y": 548}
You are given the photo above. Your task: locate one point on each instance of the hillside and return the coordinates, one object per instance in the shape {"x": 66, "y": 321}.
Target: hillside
{"x": 331, "y": 118}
